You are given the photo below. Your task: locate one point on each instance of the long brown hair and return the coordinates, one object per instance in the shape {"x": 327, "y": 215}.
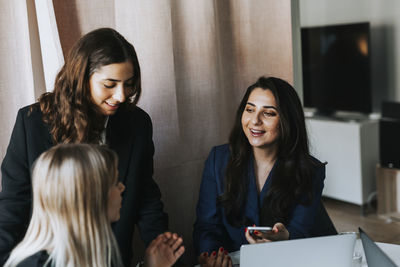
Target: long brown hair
{"x": 69, "y": 110}
{"x": 295, "y": 167}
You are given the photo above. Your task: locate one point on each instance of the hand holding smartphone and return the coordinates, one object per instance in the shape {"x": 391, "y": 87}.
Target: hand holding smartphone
{"x": 259, "y": 234}
{"x": 261, "y": 229}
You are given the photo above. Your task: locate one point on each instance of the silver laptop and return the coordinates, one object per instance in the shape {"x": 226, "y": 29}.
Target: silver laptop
{"x": 327, "y": 251}
{"x": 375, "y": 256}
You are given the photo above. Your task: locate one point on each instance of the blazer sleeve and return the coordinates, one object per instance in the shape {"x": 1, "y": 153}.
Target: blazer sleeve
{"x": 303, "y": 216}
{"x": 152, "y": 220}
{"x": 209, "y": 231}
{"x": 16, "y": 196}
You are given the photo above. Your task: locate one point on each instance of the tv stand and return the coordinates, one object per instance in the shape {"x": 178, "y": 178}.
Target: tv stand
{"x": 324, "y": 113}
{"x": 351, "y": 148}
{"x": 339, "y": 116}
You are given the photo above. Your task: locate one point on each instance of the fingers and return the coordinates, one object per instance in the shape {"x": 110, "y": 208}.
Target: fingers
{"x": 260, "y": 237}
{"x": 280, "y": 231}
{"x": 211, "y": 260}
{"x": 230, "y": 264}
{"x": 155, "y": 243}
{"x": 166, "y": 236}
{"x": 213, "y": 255}
{"x": 164, "y": 250}
{"x": 227, "y": 262}
{"x": 172, "y": 239}
{"x": 225, "y": 259}
{"x": 218, "y": 258}
{"x": 203, "y": 257}
{"x": 208, "y": 261}
{"x": 258, "y": 234}
{"x": 278, "y": 227}
{"x": 179, "y": 252}
{"x": 160, "y": 238}
{"x": 249, "y": 238}
{"x": 222, "y": 258}
{"x": 263, "y": 240}
{"x": 176, "y": 243}
{"x": 167, "y": 240}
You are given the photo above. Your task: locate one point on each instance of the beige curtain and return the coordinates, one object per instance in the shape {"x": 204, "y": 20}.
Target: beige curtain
{"x": 21, "y": 71}
{"x": 197, "y": 59}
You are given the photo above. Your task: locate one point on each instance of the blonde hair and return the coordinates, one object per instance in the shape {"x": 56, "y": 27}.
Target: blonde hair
{"x": 69, "y": 218}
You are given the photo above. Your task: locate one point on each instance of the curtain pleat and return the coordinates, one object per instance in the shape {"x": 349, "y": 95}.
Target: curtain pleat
{"x": 21, "y": 70}
{"x": 51, "y": 51}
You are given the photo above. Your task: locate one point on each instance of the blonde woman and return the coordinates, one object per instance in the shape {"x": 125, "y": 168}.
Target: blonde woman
{"x": 76, "y": 194}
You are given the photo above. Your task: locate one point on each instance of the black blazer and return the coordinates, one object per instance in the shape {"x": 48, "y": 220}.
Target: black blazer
{"x": 129, "y": 134}
{"x": 36, "y": 260}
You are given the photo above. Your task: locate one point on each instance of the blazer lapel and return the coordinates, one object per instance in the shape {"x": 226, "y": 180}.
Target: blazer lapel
{"x": 119, "y": 138}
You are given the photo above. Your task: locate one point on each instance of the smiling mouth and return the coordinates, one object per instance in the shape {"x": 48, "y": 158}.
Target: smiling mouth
{"x": 112, "y": 106}
{"x": 256, "y": 133}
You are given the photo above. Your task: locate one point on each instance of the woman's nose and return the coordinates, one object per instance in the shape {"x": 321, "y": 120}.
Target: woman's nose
{"x": 255, "y": 118}
{"x": 119, "y": 94}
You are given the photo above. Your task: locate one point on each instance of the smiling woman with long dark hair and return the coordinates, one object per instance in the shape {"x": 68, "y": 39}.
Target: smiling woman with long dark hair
{"x": 265, "y": 176}
{"x": 93, "y": 101}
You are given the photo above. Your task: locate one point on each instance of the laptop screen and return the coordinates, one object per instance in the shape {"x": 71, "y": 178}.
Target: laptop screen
{"x": 375, "y": 255}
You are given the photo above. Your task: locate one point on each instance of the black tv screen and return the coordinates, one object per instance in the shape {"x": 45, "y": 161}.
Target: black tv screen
{"x": 336, "y": 68}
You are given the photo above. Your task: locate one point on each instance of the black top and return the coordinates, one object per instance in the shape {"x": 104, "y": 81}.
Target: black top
{"x": 129, "y": 134}
{"x": 36, "y": 260}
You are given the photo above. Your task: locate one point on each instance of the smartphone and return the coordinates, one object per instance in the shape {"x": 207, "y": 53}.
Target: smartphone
{"x": 262, "y": 229}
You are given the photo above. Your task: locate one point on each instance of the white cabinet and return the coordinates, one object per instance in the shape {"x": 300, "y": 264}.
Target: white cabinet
{"x": 351, "y": 149}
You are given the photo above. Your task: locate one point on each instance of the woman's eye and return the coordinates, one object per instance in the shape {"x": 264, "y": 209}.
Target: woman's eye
{"x": 269, "y": 114}
{"x": 249, "y": 109}
{"x": 109, "y": 86}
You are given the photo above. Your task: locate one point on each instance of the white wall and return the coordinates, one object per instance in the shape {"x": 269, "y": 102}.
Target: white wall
{"x": 384, "y": 17}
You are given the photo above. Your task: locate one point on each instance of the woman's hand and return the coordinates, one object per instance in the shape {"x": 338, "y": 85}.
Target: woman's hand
{"x": 164, "y": 251}
{"x": 278, "y": 233}
{"x": 221, "y": 259}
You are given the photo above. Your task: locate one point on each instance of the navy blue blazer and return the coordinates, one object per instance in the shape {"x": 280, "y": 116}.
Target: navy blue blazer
{"x": 128, "y": 133}
{"x": 211, "y": 229}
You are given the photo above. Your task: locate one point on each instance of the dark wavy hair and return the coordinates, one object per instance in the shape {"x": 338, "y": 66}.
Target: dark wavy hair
{"x": 295, "y": 167}
{"x": 69, "y": 110}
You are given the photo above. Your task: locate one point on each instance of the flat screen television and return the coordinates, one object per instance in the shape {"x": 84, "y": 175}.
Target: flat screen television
{"x": 336, "y": 68}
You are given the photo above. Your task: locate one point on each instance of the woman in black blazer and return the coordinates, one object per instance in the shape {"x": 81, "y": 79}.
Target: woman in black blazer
{"x": 94, "y": 101}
